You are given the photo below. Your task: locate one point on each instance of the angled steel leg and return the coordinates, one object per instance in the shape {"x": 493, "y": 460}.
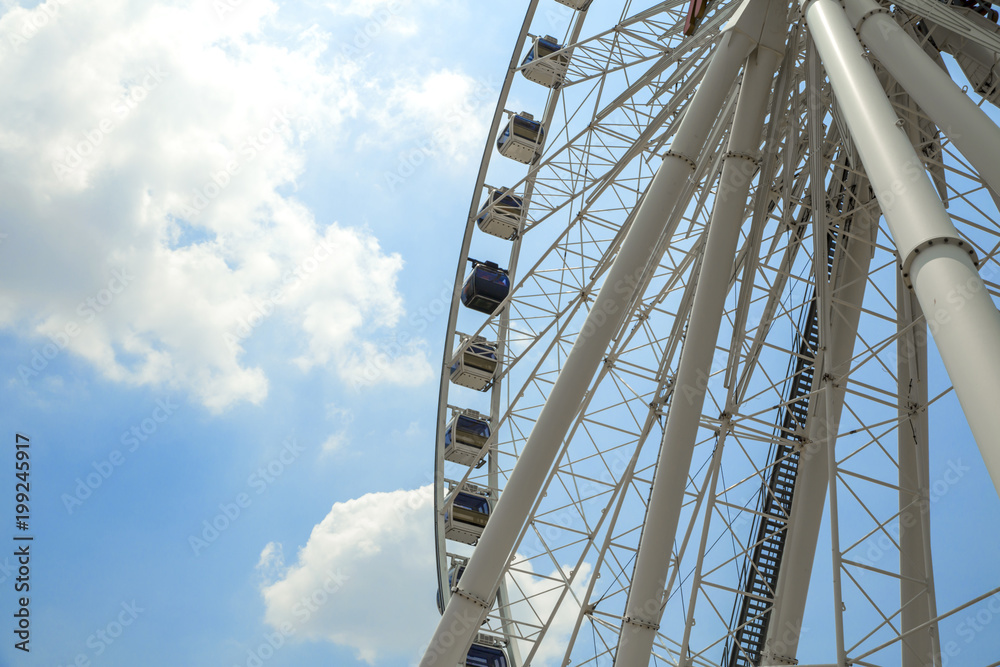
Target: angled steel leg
{"x": 916, "y": 583}
{"x": 935, "y": 260}
{"x": 643, "y": 610}
{"x": 967, "y": 125}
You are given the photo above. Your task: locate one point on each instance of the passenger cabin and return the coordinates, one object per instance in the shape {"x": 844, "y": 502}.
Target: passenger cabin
{"x": 485, "y": 656}
{"x": 522, "y": 138}
{"x": 546, "y": 62}
{"x": 455, "y": 573}
{"x": 474, "y": 364}
{"x": 464, "y": 438}
{"x": 466, "y": 515}
{"x": 576, "y": 4}
{"x": 485, "y": 288}
{"x": 486, "y": 652}
{"x": 502, "y": 214}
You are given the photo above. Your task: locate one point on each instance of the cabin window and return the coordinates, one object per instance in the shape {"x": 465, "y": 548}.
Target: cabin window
{"x": 485, "y": 656}
{"x": 472, "y": 430}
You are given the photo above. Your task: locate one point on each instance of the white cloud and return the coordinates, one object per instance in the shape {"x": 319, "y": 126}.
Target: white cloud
{"x": 340, "y": 414}
{"x": 379, "y": 9}
{"x": 364, "y": 8}
{"x": 447, "y": 112}
{"x": 375, "y": 19}
{"x": 387, "y": 363}
{"x": 381, "y": 546}
{"x": 334, "y": 444}
{"x": 162, "y": 141}
{"x": 271, "y": 565}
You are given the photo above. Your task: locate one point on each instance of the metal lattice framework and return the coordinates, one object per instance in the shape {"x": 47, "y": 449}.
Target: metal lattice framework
{"x": 697, "y": 370}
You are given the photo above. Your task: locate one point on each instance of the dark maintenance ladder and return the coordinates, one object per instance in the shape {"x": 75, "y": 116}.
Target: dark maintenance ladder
{"x": 760, "y": 572}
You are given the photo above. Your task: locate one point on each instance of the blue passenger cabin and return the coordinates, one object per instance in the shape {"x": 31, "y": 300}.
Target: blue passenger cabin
{"x": 546, "y": 62}
{"x": 502, "y": 214}
{"x": 522, "y": 138}
{"x": 466, "y": 515}
{"x": 485, "y": 288}
{"x": 485, "y": 655}
{"x": 474, "y": 364}
{"x": 464, "y": 438}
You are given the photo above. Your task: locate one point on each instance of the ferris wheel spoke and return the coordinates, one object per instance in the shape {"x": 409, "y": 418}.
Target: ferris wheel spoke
{"x": 553, "y": 199}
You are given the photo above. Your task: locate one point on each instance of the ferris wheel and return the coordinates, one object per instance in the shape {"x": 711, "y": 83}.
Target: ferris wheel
{"x": 725, "y": 260}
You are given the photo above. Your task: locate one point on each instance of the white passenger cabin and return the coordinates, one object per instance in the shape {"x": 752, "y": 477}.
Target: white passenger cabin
{"x": 474, "y": 364}
{"x": 464, "y": 438}
{"x": 502, "y": 214}
{"x": 546, "y": 62}
{"x": 522, "y": 139}
{"x": 466, "y": 512}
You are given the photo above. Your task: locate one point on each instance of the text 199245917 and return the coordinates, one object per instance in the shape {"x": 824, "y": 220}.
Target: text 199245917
{"x": 22, "y": 541}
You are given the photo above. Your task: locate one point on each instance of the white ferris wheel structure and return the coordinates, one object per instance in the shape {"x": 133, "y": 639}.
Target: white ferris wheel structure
{"x": 724, "y": 263}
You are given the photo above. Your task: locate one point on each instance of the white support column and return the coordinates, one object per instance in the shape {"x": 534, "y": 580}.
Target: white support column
{"x": 916, "y": 586}
{"x": 961, "y": 314}
{"x": 836, "y": 554}
{"x": 468, "y": 606}
{"x": 644, "y": 607}
{"x": 954, "y": 112}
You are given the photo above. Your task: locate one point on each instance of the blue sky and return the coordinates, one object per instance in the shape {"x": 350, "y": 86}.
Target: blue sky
{"x": 213, "y": 216}
{"x": 255, "y": 161}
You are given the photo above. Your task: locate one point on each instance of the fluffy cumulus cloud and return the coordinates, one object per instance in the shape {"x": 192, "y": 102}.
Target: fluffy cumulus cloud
{"x": 447, "y": 108}
{"x": 372, "y": 558}
{"x": 377, "y": 552}
{"x": 148, "y": 162}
